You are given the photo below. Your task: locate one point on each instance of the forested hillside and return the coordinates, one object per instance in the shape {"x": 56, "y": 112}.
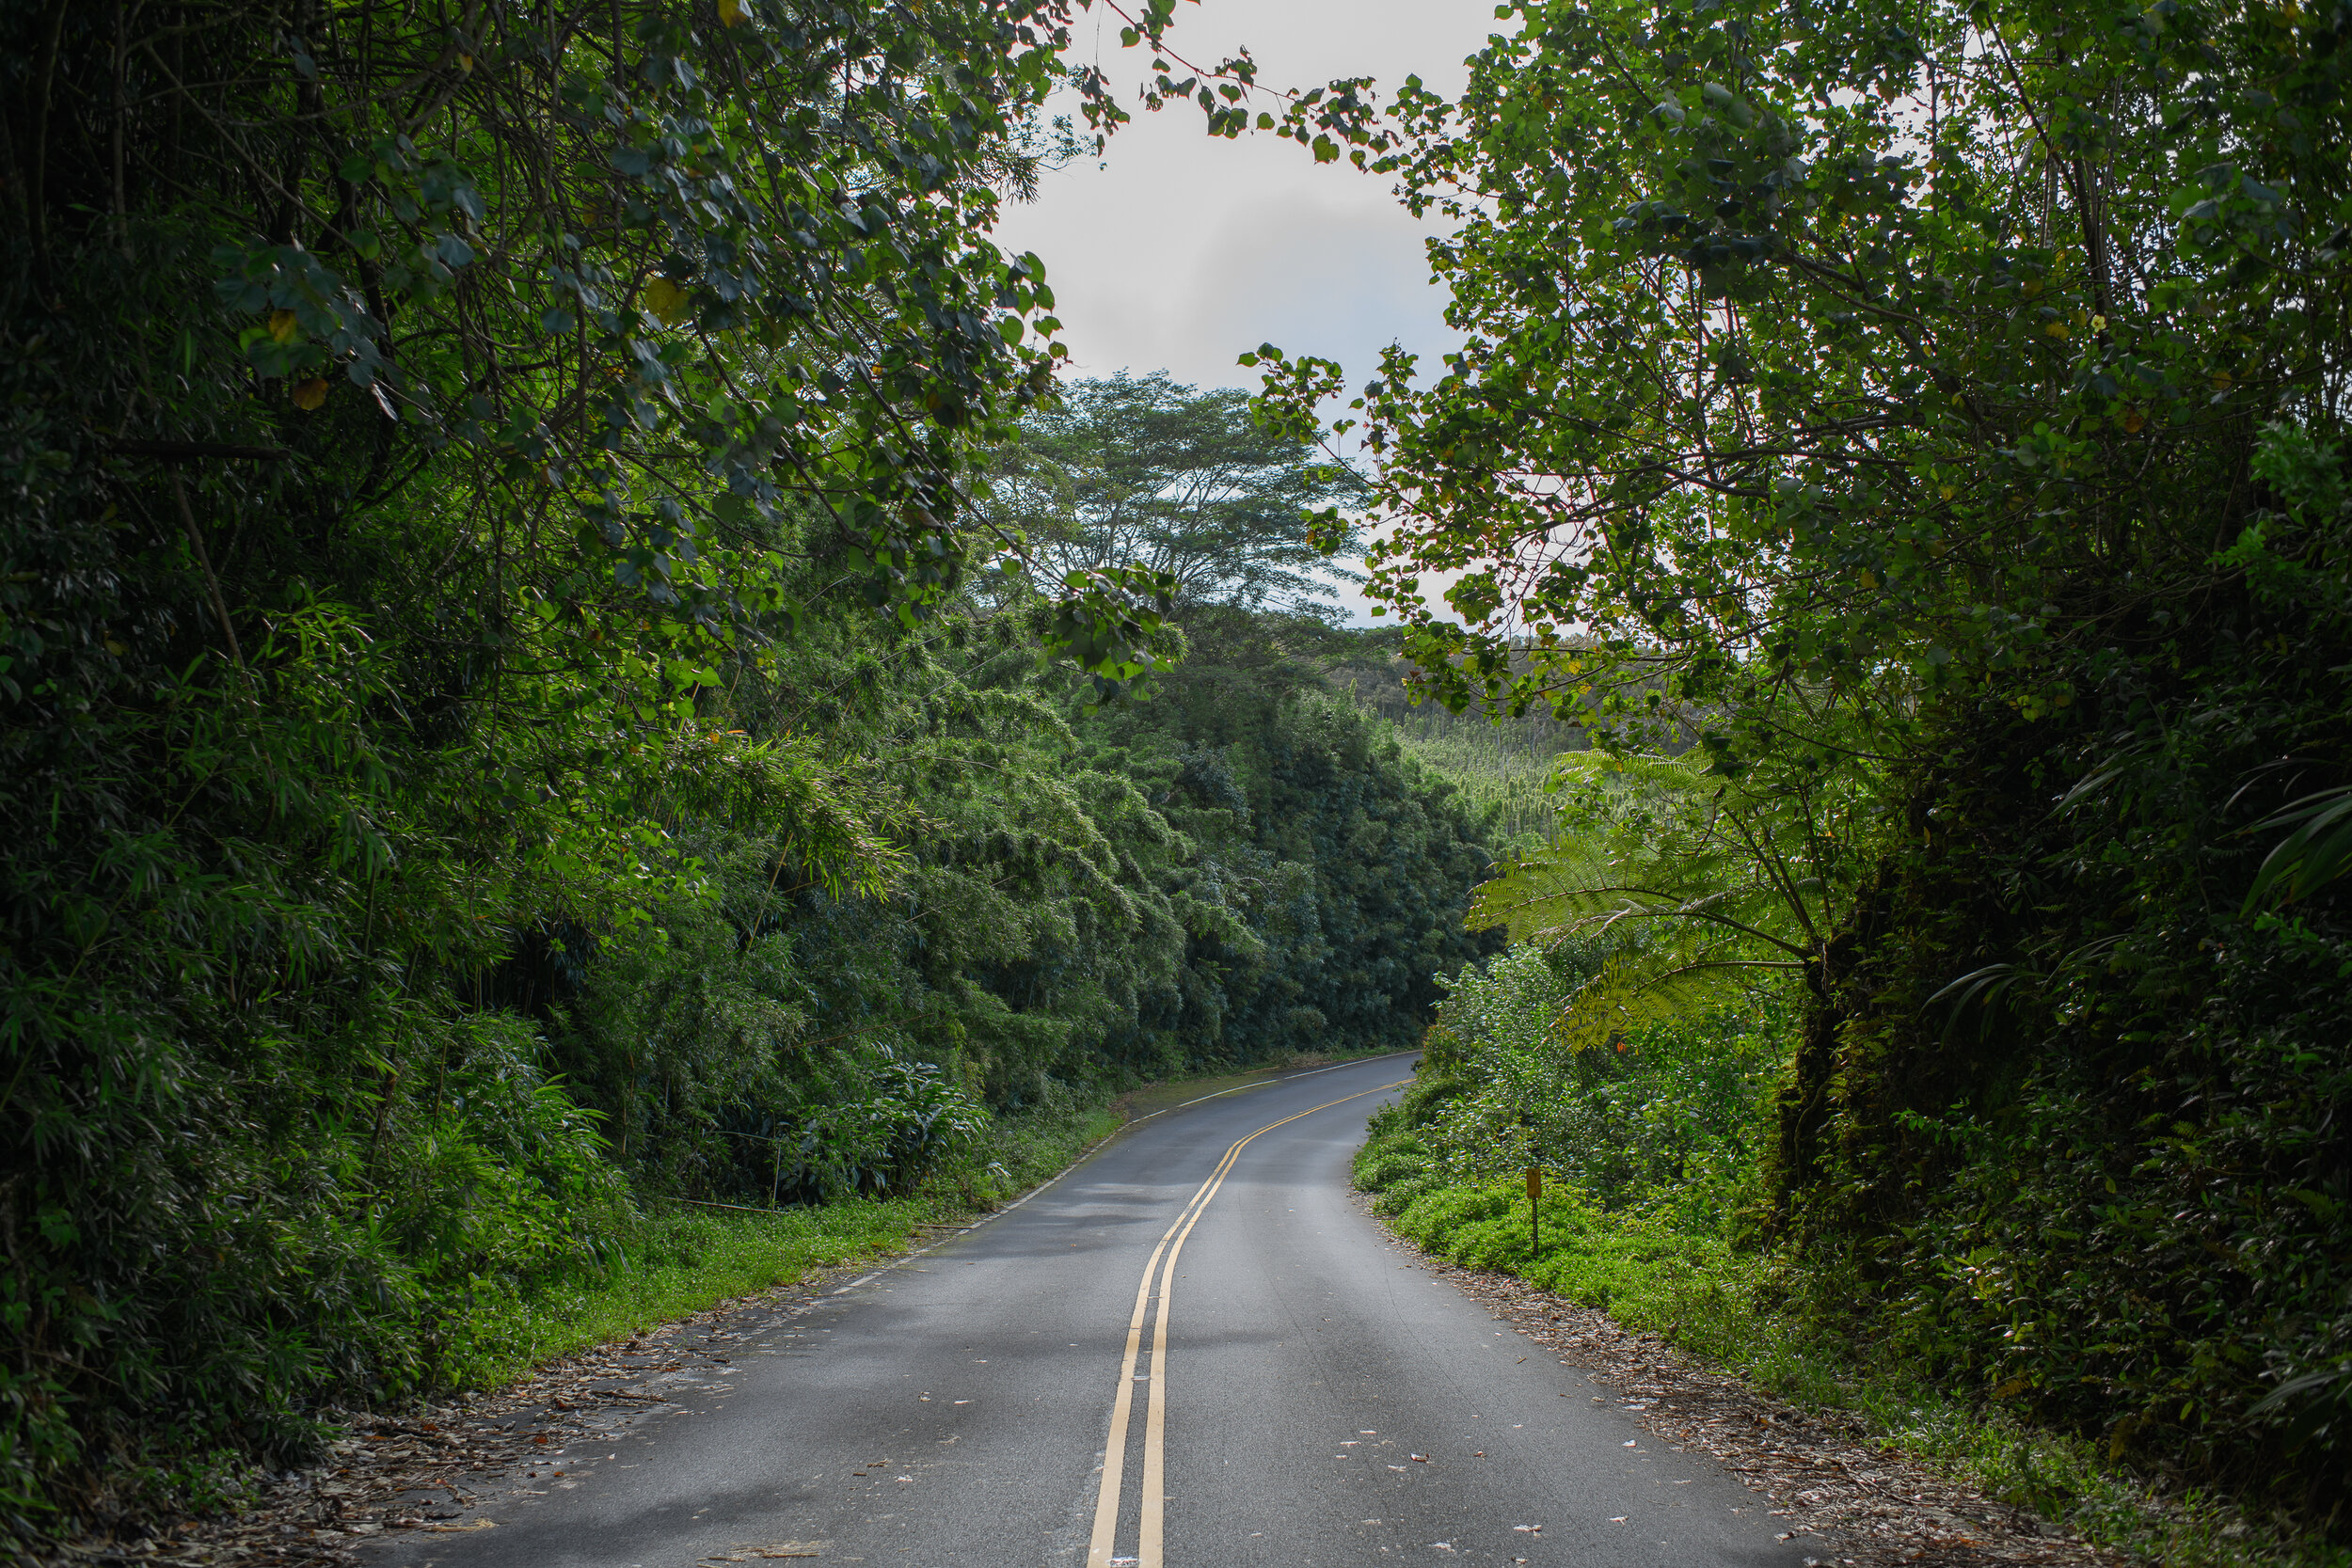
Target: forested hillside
{"x": 1497, "y": 759}
{"x": 515, "y": 703}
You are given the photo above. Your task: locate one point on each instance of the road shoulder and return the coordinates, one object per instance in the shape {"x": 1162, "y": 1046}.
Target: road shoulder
{"x": 1850, "y": 1503}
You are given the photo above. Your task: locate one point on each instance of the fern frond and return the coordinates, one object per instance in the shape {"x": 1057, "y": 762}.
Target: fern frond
{"x": 1632, "y": 772}
{"x": 1660, "y": 982}
{"x": 1658, "y": 842}
{"x": 1587, "y": 883}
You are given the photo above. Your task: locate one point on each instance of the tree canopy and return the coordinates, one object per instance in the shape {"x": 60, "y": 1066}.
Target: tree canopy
{"x": 1147, "y": 471}
{"x": 1818, "y": 356}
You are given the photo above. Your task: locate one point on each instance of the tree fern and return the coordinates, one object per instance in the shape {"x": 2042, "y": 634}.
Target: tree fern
{"x": 1706, "y": 883}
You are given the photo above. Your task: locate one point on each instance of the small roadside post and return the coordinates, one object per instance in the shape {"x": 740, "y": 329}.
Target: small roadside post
{"x": 1535, "y": 1211}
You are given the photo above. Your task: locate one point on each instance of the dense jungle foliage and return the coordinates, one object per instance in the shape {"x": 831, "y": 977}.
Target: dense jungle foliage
{"x": 522, "y": 690}
{"x": 513, "y": 704}
{"x": 1938, "y": 410}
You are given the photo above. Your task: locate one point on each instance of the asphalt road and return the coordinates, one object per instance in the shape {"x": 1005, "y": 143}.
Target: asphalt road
{"x": 1192, "y": 1351}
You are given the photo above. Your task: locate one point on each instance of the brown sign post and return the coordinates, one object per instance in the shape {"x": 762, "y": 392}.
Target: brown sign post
{"x": 1536, "y": 1210}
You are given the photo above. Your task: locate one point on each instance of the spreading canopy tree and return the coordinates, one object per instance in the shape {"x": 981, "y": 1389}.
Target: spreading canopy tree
{"x": 1149, "y": 472}
{"x": 1814, "y": 358}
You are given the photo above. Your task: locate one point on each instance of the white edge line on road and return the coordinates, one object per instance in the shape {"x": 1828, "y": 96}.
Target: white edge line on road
{"x": 993, "y": 1214}
{"x": 965, "y": 1231}
{"x": 1284, "y": 1079}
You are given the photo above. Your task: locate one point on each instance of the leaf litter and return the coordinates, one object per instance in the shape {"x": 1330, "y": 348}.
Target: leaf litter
{"x": 1860, "y": 1505}
{"x": 423, "y": 1470}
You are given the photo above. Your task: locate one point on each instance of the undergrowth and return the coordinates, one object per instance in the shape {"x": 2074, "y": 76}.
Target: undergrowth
{"x": 671, "y": 1262}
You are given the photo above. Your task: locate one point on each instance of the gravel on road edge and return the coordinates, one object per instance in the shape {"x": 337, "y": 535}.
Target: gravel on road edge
{"x": 1849, "y": 1501}
{"x": 423, "y": 1469}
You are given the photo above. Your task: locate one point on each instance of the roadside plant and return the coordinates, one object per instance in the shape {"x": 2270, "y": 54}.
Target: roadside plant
{"x": 1673, "y": 1112}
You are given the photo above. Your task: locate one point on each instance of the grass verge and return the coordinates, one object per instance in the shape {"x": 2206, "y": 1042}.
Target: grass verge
{"x": 671, "y": 1260}
{"x": 1650, "y": 1273}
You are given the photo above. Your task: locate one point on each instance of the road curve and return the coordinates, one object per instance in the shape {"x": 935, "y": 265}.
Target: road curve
{"x": 1191, "y": 1351}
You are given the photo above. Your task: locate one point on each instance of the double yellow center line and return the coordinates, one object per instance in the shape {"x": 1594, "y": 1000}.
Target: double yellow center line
{"x": 1162, "y": 1266}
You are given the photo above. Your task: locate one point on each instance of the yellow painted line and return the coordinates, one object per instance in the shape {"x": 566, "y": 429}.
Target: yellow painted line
{"x": 1122, "y": 1404}
{"x": 1151, "y": 1521}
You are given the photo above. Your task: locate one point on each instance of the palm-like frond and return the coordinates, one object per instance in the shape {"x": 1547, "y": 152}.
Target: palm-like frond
{"x": 1646, "y": 840}
{"x": 1658, "y": 982}
{"x": 1701, "y": 883}
{"x": 2317, "y": 853}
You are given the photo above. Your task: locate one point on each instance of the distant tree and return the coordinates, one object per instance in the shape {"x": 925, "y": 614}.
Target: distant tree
{"x": 1146, "y": 471}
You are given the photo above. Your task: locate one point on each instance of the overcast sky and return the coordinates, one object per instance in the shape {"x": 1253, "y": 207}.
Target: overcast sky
{"x": 1180, "y": 251}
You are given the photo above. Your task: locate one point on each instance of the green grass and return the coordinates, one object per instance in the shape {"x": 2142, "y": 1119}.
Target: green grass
{"x": 1033, "y": 1149}
{"x": 1716, "y": 1301}
{"x": 672, "y": 1261}
{"x": 675, "y": 1262}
